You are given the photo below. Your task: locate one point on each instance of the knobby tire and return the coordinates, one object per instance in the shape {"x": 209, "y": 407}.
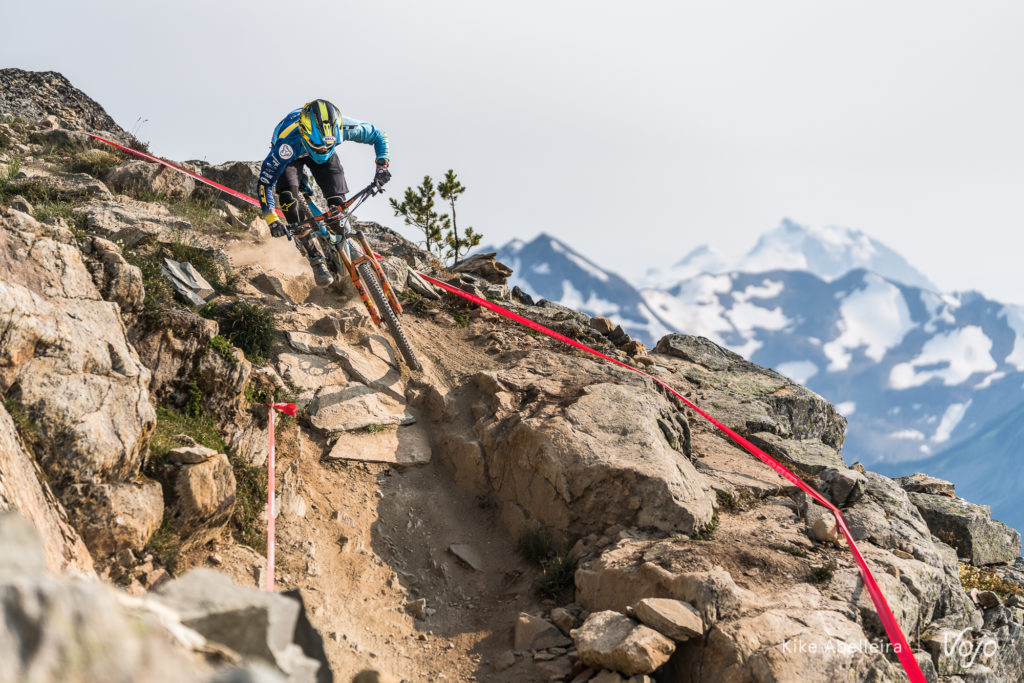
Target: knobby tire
{"x": 387, "y": 314}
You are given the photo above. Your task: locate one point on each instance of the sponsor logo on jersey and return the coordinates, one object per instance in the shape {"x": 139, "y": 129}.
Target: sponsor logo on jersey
{"x": 286, "y": 151}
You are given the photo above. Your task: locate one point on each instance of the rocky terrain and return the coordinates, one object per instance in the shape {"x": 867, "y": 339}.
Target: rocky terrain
{"x": 517, "y": 511}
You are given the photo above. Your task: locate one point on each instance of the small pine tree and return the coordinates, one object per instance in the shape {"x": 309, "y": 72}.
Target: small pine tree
{"x": 450, "y": 188}
{"x": 417, "y": 209}
{"x": 460, "y": 246}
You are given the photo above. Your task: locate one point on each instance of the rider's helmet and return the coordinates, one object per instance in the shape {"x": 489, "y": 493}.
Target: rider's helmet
{"x": 320, "y": 129}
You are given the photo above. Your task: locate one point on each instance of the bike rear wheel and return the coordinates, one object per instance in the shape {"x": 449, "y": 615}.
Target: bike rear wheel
{"x": 387, "y": 314}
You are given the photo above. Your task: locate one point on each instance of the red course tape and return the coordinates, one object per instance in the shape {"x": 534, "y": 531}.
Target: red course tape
{"x": 892, "y": 629}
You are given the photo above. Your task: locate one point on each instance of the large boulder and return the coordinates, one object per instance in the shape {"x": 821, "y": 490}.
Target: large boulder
{"x": 485, "y": 266}
{"x": 574, "y": 447}
{"x": 242, "y": 176}
{"x": 147, "y": 176}
{"x": 23, "y": 488}
{"x": 74, "y": 186}
{"x": 65, "y": 356}
{"x": 968, "y": 528}
{"x": 117, "y": 280}
{"x": 253, "y": 623}
{"x": 202, "y": 487}
{"x": 128, "y": 222}
{"x": 55, "y": 628}
{"x": 32, "y": 95}
{"x": 750, "y": 398}
{"x": 609, "y": 640}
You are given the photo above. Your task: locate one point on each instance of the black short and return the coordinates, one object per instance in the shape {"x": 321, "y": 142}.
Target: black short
{"x": 330, "y": 176}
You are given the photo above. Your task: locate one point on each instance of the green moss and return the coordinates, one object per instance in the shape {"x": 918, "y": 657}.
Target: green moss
{"x": 374, "y": 428}
{"x": 727, "y": 501}
{"x": 460, "y": 318}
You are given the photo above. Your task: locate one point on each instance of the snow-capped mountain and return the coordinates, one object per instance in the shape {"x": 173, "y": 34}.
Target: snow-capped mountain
{"x": 703, "y": 259}
{"x": 548, "y": 268}
{"x": 827, "y": 252}
{"x": 914, "y": 371}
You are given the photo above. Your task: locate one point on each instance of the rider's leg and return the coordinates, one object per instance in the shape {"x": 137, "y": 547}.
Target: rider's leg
{"x": 290, "y": 195}
{"x": 330, "y": 176}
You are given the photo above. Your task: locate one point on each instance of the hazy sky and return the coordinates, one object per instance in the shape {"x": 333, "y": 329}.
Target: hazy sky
{"x": 634, "y": 131}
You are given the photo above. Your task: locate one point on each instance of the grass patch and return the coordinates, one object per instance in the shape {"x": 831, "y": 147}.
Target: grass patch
{"x": 374, "y": 428}
{"x": 202, "y": 214}
{"x": 251, "y": 327}
{"x": 148, "y": 256}
{"x": 165, "y": 545}
{"x": 94, "y": 162}
{"x": 823, "y": 574}
{"x": 986, "y": 580}
{"x": 223, "y": 347}
{"x": 170, "y": 423}
{"x": 460, "y": 318}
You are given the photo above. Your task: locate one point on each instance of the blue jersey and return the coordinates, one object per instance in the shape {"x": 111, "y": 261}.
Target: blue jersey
{"x": 286, "y": 146}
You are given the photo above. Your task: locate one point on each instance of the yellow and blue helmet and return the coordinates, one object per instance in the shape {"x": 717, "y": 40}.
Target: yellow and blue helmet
{"x": 320, "y": 129}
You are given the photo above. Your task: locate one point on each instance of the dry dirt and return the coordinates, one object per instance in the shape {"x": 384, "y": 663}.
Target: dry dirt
{"x": 362, "y": 540}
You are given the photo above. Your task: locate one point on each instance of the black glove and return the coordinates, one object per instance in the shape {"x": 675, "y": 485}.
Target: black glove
{"x": 382, "y": 176}
{"x": 277, "y": 229}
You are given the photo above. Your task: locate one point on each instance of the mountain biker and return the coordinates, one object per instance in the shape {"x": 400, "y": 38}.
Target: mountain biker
{"x": 307, "y": 138}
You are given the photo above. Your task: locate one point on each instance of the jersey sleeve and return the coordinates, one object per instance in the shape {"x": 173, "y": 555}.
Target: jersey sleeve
{"x": 273, "y": 166}
{"x": 368, "y": 134}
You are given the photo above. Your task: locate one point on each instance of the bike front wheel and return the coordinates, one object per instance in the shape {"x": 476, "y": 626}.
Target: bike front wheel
{"x": 387, "y": 314}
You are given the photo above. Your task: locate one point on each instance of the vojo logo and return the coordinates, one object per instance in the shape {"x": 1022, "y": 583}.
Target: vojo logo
{"x": 286, "y": 151}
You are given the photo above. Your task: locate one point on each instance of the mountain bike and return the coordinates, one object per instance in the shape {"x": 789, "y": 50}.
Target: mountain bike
{"x": 349, "y": 254}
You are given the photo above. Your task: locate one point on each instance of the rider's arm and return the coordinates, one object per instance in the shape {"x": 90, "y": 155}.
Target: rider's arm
{"x": 366, "y": 133}
{"x": 273, "y": 166}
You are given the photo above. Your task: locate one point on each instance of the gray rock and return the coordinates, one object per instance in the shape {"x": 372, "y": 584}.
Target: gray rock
{"x": 117, "y": 280}
{"x": 563, "y": 619}
{"x": 806, "y": 457}
{"x": 272, "y": 285}
{"x": 923, "y": 483}
{"x": 188, "y": 282}
{"x": 846, "y": 486}
{"x": 467, "y": 554}
{"x": 968, "y": 528}
{"x": 19, "y": 203}
{"x": 135, "y": 176}
{"x": 574, "y": 458}
{"x": 129, "y": 222}
{"x": 673, "y": 618}
{"x": 75, "y": 186}
{"x": 534, "y": 633}
{"x": 190, "y": 455}
{"x": 608, "y": 640}
{"x": 485, "y": 266}
{"x": 602, "y": 325}
{"x": 249, "y": 621}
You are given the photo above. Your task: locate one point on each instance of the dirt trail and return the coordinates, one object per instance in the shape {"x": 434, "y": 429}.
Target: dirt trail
{"x": 366, "y": 539}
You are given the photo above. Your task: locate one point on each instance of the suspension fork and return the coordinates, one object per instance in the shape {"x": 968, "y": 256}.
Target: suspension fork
{"x": 350, "y": 267}
{"x": 368, "y": 255}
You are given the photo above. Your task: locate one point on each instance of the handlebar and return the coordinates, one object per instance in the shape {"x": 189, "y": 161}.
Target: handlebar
{"x": 334, "y": 213}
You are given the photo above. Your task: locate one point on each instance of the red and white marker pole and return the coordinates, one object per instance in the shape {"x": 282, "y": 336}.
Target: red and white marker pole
{"x": 287, "y": 409}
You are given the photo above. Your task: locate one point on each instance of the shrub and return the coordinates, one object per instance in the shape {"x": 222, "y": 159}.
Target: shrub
{"x": 823, "y": 574}
{"x": 558, "y": 576}
{"x": 222, "y": 346}
{"x": 165, "y": 544}
{"x": 986, "y": 580}
{"x": 535, "y": 545}
{"x": 251, "y": 327}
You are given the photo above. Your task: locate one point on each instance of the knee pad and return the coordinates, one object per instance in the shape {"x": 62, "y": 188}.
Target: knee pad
{"x": 289, "y": 206}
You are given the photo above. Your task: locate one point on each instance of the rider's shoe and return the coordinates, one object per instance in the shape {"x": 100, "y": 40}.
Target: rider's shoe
{"x": 321, "y": 275}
